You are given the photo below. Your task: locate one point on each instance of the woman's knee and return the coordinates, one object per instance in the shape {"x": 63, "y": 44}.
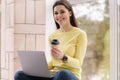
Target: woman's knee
{"x": 65, "y": 75}
{"x": 19, "y": 74}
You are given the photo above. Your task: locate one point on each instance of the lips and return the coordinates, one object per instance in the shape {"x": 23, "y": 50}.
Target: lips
{"x": 60, "y": 20}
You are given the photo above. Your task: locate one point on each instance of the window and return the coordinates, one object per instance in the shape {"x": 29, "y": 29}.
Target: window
{"x": 99, "y": 19}
{"x": 93, "y": 17}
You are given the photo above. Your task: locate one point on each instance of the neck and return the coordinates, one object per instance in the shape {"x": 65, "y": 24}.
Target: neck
{"x": 65, "y": 28}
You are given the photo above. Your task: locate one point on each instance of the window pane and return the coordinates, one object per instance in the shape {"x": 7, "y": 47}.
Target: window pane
{"x": 93, "y": 18}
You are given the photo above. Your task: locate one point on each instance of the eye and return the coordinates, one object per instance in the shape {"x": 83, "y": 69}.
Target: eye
{"x": 55, "y": 13}
{"x": 62, "y": 12}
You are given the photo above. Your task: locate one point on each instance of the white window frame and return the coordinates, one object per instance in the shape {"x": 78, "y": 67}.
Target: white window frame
{"x": 113, "y": 40}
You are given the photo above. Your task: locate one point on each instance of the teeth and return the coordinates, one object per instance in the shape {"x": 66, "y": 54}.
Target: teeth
{"x": 60, "y": 19}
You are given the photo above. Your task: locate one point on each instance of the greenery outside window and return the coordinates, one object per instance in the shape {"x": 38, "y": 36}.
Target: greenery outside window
{"x": 93, "y": 17}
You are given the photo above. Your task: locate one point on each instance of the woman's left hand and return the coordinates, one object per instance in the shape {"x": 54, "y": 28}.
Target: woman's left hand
{"x": 57, "y": 53}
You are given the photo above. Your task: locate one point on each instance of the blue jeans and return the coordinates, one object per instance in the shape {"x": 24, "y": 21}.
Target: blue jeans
{"x": 60, "y": 75}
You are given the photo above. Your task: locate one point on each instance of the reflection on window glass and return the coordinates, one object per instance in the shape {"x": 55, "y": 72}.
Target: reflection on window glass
{"x": 93, "y": 18}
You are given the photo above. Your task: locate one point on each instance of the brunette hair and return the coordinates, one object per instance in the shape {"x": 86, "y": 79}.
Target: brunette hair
{"x": 69, "y": 7}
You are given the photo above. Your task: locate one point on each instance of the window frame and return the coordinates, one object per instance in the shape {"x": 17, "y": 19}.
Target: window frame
{"x": 113, "y": 40}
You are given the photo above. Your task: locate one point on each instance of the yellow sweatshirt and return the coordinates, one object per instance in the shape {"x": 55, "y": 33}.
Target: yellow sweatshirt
{"x": 73, "y": 44}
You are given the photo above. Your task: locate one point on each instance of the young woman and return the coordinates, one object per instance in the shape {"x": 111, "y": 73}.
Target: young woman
{"x": 67, "y": 57}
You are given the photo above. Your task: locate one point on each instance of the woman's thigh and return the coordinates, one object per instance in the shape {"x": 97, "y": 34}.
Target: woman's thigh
{"x": 64, "y": 75}
{"x": 20, "y": 75}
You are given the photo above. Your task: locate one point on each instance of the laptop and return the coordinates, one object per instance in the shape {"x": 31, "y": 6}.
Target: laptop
{"x": 34, "y": 63}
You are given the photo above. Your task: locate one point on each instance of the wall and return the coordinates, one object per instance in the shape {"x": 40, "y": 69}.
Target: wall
{"x": 7, "y": 39}
{"x": 29, "y": 27}
{"x": 22, "y": 28}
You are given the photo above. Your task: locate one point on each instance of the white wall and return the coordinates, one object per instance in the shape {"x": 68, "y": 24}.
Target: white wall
{"x": 50, "y": 26}
{"x": 29, "y": 29}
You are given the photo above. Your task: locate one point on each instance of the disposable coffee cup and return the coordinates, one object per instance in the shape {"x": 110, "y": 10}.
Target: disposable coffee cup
{"x": 54, "y": 43}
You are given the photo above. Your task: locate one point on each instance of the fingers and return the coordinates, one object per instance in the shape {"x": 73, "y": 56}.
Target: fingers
{"x": 56, "y": 53}
{"x": 55, "y": 50}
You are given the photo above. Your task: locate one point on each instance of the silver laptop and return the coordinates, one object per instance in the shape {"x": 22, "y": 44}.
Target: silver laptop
{"x": 34, "y": 63}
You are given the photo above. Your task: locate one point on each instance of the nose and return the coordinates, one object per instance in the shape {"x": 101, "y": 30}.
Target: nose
{"x": 59, "y": 16}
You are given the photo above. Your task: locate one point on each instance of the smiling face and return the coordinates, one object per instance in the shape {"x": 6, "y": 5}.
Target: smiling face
{"x": 62, "y": 15}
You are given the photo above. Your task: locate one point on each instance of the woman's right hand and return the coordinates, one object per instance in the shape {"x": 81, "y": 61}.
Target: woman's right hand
{"x": 57, "y": 53}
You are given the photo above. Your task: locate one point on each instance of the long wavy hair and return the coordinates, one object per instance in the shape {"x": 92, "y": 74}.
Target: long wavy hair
{"x": 68, "y": 6}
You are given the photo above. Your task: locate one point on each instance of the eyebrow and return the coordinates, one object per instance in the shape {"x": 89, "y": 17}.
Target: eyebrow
{"x": 60, "y": 10}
